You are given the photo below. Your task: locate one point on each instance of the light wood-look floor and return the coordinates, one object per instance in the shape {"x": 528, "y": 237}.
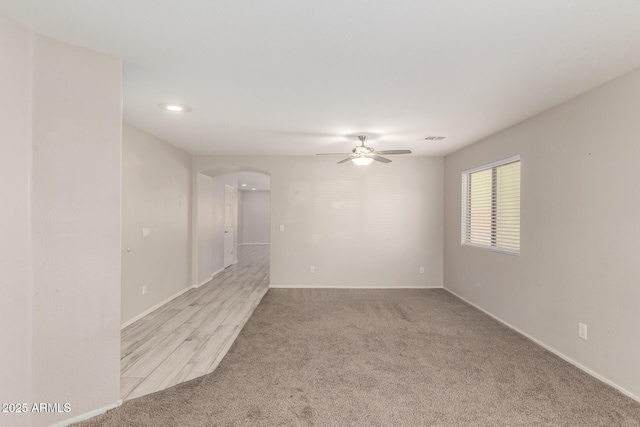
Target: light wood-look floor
{"x": 189, "y": 336}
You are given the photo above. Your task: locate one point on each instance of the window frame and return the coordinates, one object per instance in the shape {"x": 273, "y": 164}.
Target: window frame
{"x": 466, "y": 200}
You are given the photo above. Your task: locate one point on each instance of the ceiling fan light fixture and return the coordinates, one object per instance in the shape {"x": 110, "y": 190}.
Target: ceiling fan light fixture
{"x": 362, "y": 161}
{"x": 363, "y": 155}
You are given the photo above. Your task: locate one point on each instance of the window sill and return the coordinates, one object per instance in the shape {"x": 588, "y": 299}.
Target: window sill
{"x": 492, "y": 249}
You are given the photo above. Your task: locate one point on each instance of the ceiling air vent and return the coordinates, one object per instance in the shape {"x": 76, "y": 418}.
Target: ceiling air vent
{"x": 434, "y": 138}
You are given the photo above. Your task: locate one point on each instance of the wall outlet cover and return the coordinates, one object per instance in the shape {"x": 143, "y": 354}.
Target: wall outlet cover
{"x": 582, "y": 330}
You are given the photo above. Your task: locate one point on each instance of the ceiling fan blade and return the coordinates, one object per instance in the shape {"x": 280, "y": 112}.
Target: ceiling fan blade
{"x": 386, "y": 152}
{"x": 345, "y": 160}
{"x": 333, "y": 154}
{"x": 380, "y": 159}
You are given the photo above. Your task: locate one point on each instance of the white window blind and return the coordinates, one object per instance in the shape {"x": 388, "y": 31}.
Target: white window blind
{"x": 491, "y": 206}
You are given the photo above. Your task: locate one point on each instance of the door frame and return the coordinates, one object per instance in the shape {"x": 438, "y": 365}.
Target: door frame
{"x": 229, "y": 236}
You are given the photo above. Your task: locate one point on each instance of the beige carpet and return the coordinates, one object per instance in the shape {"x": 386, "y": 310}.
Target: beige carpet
{"x": 380, "y": 357}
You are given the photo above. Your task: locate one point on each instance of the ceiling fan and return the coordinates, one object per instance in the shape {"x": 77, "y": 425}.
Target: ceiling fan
{"x": 362, "y": 155}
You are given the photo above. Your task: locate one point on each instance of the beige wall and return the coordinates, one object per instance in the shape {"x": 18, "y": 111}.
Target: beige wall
{"x": 370, "y": 230}
{"x": 15, "y": 141}
{"x": 256, "y": 216}
{"x": 156, "y": 194}
{"x": 579, "y": 232}
{"x": 75, "y": 227}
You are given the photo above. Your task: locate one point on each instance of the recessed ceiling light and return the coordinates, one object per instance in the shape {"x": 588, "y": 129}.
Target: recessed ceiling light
{"x": 253, "y": 189}
{"x": 244, "y": 185}
{"x": 175, "y": 108}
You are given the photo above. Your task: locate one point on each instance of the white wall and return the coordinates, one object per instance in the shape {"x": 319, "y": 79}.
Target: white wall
{"x": 156, "y": 194}
{"x": 75, "y": 227}
{"x": 256, "y": 216}
{"x": 375, "y": 229}
{"x": 60, "y": 225}
{"x": 240, "y": 199}
{"x": 210, "y": 226}
{"x": 579, "y": 232}
{"x": 15, "y": 303}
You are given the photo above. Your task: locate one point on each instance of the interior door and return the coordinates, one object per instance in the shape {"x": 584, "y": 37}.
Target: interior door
{"x": 229, "y": 225}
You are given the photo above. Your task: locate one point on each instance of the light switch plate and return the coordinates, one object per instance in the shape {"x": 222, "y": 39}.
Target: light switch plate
{"x": 146, "y": 232}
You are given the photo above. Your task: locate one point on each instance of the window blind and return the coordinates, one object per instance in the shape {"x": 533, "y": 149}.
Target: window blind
{"x": 491, "y": 206}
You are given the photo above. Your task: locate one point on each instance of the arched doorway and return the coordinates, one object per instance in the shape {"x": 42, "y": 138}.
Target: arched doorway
{"x": 224, "y": 222}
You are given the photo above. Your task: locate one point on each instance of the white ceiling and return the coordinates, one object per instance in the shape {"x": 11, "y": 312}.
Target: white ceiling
{"x": 259, "y": 181}
{"x": 296, "y": 77}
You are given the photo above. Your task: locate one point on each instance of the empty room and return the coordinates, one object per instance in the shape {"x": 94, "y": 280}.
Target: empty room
{"x": 319, "y": 213}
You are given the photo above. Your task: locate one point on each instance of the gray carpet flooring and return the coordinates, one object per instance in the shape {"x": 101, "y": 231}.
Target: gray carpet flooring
{"x": 380, "y": 358}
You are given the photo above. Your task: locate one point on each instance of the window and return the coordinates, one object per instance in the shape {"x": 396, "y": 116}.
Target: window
{"x": 491, "y": 206}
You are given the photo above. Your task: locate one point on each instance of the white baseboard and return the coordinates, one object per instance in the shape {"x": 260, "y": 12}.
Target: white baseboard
{"x": 351, "y": 287}
{"x": 197, "y": 285}
{"x": 155, "y": 307}
{"x": 552, "y": 350}
{"x": 87, "y": 415}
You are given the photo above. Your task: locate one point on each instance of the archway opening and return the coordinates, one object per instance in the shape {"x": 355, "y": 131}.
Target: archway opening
{"x": 233, "y": 212}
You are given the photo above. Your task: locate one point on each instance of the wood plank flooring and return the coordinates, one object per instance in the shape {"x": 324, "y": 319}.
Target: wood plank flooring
{"x": 189, "y": 336}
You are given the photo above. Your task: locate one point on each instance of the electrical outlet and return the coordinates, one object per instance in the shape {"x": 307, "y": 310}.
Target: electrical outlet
{"x": 312, "y": 269}
{"x": 582, "y": 330}
{"x": 144, "y": 290}
{"x": 422, "y": 270}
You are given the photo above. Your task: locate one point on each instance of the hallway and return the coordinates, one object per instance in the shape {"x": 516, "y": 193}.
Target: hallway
{"x": 190, "y": 335}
